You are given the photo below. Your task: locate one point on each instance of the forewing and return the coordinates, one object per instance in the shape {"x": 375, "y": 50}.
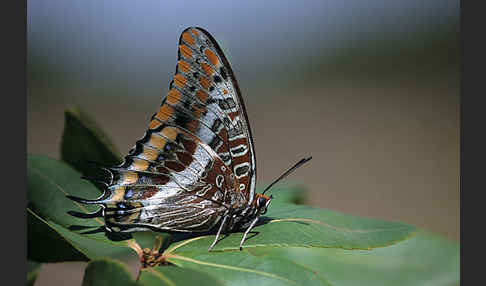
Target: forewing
{"x": 205, "y": 100}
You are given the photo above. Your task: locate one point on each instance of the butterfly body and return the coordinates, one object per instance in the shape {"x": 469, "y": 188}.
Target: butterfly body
{"x": 195, "y": 167}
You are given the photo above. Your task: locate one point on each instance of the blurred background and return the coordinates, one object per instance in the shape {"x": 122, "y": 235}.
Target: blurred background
{"x": 370, "y": 89}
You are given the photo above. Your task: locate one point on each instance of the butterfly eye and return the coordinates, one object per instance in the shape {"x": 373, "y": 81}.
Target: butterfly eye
{"x": 261, "y": 201}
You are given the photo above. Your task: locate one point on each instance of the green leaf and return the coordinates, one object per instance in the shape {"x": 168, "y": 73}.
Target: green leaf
{"x": 105, "y": 271}
{"x": 82, "y": 247}
{"x": 171, "y": 276}
{"x": 42, "y": 239}
{"x": 82, "y": 141}
{"x": 33, "y": 270}
{"x": 111, "y": 272}
{"x": 243, "y": 268}
{"x": 49, "y": 181}
{"x": 425, "y": 259}
{"x": 289, "y": 225}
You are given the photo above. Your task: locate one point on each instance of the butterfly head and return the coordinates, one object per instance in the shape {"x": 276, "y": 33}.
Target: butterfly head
{"x": 262, "y": 202}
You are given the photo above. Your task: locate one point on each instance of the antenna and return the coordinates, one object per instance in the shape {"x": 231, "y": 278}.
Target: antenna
{"x": 288, "y": 172}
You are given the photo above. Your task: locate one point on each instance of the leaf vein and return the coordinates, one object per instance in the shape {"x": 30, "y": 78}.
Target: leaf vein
{"x": 271, "y": 275}
{"x": 162, "y": 276}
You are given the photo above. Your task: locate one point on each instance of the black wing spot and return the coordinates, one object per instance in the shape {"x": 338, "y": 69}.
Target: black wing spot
{"x": 241, "y": 170}
{"x": 158, "y": 129}
{"x": 160, "y": 158}
{"x": 217, "y": 79}
{"x": 238, "y": 150}
{"x": 187, "y": 104}
{"x": 215, "y": 142}
{"x": 132, "y": 151}
{"x": 138, "y": 149}
{"x": 195, "y": 75}
{"x": 216, "y": 125}
{"x": 225, "y": 157}
{"x": 179, "y": 138}
{"x": 223, "y": 104}
{"x": 153, "y": 116}
{"x": 227, "y": 103}
{"x": 128, "y": 161}
{"x": 145, "y": 138}
{"x": 181, "y": 118}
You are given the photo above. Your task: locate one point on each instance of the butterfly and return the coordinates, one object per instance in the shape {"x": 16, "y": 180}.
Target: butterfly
{"x": 194, "y": 170}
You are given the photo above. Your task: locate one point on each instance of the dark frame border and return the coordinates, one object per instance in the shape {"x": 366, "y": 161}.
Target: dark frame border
{"x": 14, "y": 119}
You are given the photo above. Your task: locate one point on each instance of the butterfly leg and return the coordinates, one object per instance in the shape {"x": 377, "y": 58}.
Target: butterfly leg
{"x": 219, "y": 232}
{"x": 247, "y": 231}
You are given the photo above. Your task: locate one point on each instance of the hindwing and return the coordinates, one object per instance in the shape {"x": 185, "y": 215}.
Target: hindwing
{"x": 190, "y": 199}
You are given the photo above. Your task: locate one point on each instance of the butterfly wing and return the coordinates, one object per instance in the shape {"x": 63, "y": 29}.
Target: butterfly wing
{"x": 188, "y": 193}
{"x": 204, "y": 99}
{"x": 196, "y": 160}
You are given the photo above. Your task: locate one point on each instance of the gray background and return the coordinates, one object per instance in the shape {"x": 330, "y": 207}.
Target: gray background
{"x": 370, "y": 89}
